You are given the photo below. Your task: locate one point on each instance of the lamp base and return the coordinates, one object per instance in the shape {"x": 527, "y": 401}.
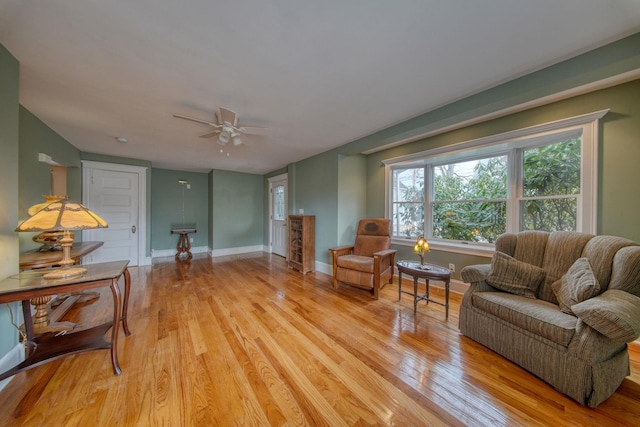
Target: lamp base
{"x": 64, "y": 273}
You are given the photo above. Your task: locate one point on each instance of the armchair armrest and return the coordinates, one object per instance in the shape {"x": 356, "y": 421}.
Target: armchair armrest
{"x": 341, "y": 250}
{"x": 614, "y": 313}
{"x": 385, "y": 252}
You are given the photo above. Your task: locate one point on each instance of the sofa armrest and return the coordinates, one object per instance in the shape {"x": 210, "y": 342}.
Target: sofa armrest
{"x": 614, "y": 313}
{"x": 475, "y": 273}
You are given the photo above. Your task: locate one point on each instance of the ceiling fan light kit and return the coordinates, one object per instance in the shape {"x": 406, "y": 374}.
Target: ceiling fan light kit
{"x": 223, "y": 138}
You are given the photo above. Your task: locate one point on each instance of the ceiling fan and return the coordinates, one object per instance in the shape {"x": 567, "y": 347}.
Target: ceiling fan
{"x": 226, "y": 127}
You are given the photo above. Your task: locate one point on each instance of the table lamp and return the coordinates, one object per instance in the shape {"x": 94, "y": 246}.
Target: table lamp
{"x": 63, "y": 215}
{"x": 421, "y": 248}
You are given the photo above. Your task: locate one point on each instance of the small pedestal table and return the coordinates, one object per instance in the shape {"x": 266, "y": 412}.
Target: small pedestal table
{"x": 184, "y": 245}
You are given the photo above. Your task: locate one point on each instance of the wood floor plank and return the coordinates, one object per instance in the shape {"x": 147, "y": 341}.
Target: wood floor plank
{"x": 243, "y": 340}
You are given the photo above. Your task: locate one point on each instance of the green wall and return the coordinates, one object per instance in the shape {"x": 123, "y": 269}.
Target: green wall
{"x": 352, "y": 196}
{"x": 313, "y": 186}
{"x": 237, "y": 210}
{"x": 34, "y": 176}
{"x": 9, "y": 199}
{"x": 167, "y": 198}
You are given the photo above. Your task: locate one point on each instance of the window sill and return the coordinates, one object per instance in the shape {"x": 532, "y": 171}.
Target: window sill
{"x": 456, "y": 247}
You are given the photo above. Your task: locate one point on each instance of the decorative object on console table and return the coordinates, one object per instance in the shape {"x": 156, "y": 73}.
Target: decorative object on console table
{"x": 60, "y": 215}
{"x": 302, "y": 243}
{"x": 421, "y": 248}
{"x": 35, "y": 259}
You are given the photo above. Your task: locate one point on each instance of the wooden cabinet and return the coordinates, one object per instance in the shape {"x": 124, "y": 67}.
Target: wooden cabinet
{"x": 302, "y": 243}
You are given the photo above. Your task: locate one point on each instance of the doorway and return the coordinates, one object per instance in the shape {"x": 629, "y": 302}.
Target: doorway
{"x": 118, "y": 194}
{"x": 278, "y": 205}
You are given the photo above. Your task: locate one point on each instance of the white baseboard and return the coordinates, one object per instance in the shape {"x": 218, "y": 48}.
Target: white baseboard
{"x": 325, "y": 268}
{"x": 14, "y": 357}
{"x": 162, "y": 253}
{"x": 238, "y": 250}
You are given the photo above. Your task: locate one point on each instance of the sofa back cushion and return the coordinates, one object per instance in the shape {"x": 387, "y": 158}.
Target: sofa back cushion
{"x": 563, "y": 249}
{"x": 601, "y": 251}
{"x": 626, "y": 270}
{"x": 615, "y": 260}
{"x": 526, "y": 246}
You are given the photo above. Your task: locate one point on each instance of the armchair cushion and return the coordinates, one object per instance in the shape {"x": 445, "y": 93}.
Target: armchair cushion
{"x": 615, "y": 314}
{"x": 513, "y": 276}
{"x": 356, "y": 262}
{"x": 577, "y": 285}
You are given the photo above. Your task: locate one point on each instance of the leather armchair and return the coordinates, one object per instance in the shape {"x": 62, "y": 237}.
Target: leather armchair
{"x": 369, "y": 263}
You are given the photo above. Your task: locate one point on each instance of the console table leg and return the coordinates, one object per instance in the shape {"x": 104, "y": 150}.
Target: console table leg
{"x": 125, "y": 304}
{"x": 115, "y": 328}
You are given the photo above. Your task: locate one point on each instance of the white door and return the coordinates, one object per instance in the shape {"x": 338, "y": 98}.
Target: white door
{"x": 278, "y": 215}
{"x": 114, "y": 195}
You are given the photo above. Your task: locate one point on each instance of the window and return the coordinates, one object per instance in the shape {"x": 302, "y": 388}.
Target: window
{"x": 278, "y": 203}
{"x": 466, "y": 195}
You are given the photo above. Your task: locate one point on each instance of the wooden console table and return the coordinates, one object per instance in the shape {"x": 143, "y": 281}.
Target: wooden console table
{"x": 41, "y": 349}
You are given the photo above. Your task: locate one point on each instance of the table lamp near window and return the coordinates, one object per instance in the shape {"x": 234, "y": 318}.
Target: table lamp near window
{"x": 63, "y": 215}
{"x": 421, "y": 248}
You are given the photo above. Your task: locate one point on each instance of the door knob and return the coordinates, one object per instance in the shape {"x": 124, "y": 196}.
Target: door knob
{"x": 133, "y": 229}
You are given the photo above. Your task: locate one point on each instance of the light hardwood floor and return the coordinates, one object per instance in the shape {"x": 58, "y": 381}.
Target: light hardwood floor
{"x": 245, "y": 341}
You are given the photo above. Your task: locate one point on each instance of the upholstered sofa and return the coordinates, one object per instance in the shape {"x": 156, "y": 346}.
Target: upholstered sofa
{"x": 561, "y": 305}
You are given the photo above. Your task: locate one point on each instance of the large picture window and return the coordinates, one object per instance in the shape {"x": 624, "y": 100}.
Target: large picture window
{"x": 539, "y": 178}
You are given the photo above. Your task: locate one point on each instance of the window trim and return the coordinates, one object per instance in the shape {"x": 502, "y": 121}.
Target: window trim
{"x": 588, "y": 127}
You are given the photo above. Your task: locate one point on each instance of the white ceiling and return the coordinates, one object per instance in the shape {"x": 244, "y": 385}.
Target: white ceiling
{"x": 319, "y": 74}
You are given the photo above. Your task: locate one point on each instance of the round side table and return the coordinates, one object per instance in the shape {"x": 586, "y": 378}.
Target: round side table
{"x": 427, "y": 272}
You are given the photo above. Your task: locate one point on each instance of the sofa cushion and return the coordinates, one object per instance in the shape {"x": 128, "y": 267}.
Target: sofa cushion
{"x": 517, "y": 277}
{"x": 612, "y": 314}
{"x": 536, "y": 316}
{"x": 579, "y": 284}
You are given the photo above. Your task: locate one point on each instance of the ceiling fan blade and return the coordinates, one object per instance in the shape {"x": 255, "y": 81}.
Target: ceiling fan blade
{"x": 196, "y": 120}
{"x": 227, "y": 116}
{"x": 210, "y": 134}
{"x": 254, "y": 130}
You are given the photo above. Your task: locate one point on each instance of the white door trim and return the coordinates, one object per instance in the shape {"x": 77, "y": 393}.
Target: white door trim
{"x": 281, "y": 177}
{"x": 141, "y": 171}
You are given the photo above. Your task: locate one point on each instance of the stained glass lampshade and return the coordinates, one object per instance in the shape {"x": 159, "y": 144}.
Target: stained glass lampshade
{"x": 63, "y": 215}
